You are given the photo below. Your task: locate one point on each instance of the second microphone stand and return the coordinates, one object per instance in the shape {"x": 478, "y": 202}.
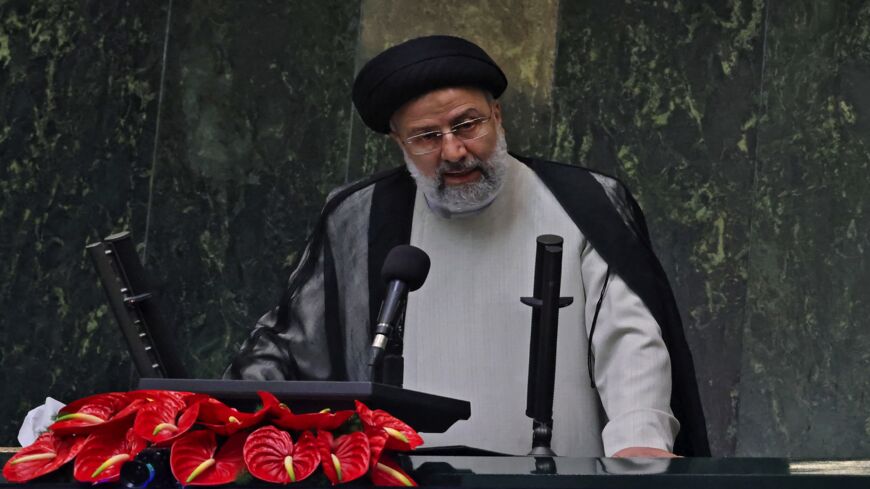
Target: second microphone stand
{"x": 542, "y": 349}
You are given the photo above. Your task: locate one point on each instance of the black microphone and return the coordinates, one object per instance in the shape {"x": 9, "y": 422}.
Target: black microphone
{"x": 405, "y": 269}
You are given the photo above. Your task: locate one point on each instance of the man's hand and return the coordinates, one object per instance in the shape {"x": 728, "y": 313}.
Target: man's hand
{"x": 643, "y": 452}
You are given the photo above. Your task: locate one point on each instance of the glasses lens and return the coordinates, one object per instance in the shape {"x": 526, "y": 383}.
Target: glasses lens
{"x": 472, "y": 129}
{"x": 431, "y": 141}
{"x": 424, "y": 143}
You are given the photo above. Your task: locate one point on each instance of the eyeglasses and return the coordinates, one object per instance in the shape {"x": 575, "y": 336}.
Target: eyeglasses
{"x": 429, "y": 142}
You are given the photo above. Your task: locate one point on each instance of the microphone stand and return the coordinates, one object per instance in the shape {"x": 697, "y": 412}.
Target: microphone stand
{"x": 542, "y": 348}
{"x": 393, "y": 366}
{"x": 389, "y": 368}
{"x": 404, "y": 270}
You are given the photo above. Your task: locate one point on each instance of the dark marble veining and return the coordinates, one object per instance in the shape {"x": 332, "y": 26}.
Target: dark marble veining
{"x": 78, "y": 102}
{"x": 806, "y": 351}
{"x": 664, "y": 96}
{"x": 254, "y": 135}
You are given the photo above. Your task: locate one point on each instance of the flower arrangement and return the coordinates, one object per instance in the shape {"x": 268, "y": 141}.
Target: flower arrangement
{"x": 211, "y": 443}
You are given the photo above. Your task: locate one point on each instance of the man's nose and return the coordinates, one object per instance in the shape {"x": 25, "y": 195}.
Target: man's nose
{"x": 452, "y": 148}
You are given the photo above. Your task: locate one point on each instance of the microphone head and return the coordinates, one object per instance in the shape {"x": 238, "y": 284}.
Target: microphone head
{"x": 408, "y": 264}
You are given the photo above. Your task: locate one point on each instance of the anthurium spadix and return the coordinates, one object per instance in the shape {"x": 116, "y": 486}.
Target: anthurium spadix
{"x": 196, "y": 460}
{"x": 271, "y": 455}
{"x": 344, "y": 458}
{"x": 104, "y": 452}
{"x": 92, "y": 412}
{"x": 386, "y": 472}
{"x": 226, "y": 420}
{"x": 281, "y": 415}
{"x": 48, "y": 453}
{"x": 400, "y": 435}
{"x": 165, "y": 418}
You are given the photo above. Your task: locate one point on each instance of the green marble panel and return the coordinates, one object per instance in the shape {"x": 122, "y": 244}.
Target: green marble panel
{"x": 254, "y": 134}
{"x": 663, "y": 95}
{"x": 78, "y": 91}
{"x": 518, "y": 35}
{"x": 805, "y": 386}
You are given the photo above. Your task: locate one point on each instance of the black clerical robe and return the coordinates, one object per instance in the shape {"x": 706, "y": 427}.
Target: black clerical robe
{"x": 324, "y": 323}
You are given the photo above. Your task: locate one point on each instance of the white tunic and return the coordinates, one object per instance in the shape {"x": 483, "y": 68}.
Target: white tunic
{"x": 467, "y": 334}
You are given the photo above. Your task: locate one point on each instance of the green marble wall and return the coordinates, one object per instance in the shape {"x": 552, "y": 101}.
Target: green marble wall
{"x": 741, "y": 126}
{"x": 805, "y": 389}
{"x": 78, "y": 89}
{"x": 664, "y": 95}
{"x": 253, "y": 133}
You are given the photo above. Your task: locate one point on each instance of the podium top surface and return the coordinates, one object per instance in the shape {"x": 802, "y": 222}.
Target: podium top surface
{"x": 426, "y": 413}
{"x": 709, "y": 473}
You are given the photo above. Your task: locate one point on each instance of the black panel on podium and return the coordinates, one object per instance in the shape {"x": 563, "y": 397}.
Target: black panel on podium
{"x": 427, "y": 413}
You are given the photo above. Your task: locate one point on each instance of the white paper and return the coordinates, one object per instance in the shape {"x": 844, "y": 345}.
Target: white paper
{"x": 38, "y": 420}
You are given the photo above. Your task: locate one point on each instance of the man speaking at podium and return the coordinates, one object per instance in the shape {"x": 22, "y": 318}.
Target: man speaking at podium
{"x": 477, "y": 210}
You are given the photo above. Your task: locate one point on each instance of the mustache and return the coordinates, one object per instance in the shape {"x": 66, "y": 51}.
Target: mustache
{"x": 466, "y": 165}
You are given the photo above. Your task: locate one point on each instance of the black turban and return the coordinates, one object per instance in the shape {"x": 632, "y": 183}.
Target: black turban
{"x": 416, "y": 67}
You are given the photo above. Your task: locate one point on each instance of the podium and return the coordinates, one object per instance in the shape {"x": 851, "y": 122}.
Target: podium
{"x": 427, "y": 413}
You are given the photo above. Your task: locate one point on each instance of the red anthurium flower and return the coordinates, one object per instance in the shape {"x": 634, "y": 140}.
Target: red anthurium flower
{"x": 193, "y": 460}
{"x": 48, "y": 453}
{"x": 84, "y": 415}
{"x": 285, "y": 418}
{"x": 225, "y": 420}
{"x": 388, "y": 473}
{"x": 270, "y": 455}
{"x": 104, "y": 452}
{"x": 401, "y": 436}
{"x": 165, "y": 418}
{"x": 324, "y": 420}
{"x": 151, "y": 395}
{"x": 377, "y": 442}
{"x": 344, "y": 458}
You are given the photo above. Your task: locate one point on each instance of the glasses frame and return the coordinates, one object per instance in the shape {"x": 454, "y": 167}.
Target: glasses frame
{"x": 440, "y": 135}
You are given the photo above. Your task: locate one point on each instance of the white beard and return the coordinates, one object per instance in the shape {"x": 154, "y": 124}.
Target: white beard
{"x": 467, "y": 197}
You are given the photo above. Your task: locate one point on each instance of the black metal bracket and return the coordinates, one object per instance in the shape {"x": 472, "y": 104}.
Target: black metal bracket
{"x": 538, "y": 303}
{"x": 133, "y": 302}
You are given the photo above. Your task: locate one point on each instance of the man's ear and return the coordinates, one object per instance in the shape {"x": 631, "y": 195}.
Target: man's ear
{"x": 395, "y": 137}
{"x": 496, "y": 112}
